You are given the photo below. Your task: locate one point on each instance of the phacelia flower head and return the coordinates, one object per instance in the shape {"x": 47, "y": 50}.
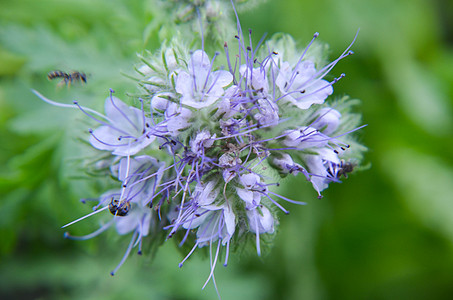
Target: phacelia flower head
{"x": 198, "y": 160}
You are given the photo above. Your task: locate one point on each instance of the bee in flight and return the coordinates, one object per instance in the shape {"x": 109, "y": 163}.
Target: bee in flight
{"x": 67, "y": 78}
{"x": 119, "y": 209}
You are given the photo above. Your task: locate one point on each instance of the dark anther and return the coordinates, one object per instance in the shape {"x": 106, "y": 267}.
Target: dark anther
{"x": 249, "y": 49}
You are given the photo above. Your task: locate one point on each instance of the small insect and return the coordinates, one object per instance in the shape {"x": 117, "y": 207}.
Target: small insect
{"x": 345, "y": 167}
{"x": 67, "y": 78}
{"x": 119, "y": 209}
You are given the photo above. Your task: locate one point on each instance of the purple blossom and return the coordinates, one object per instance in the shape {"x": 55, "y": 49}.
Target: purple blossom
{"x": 126, "y": 131}
{"x": 201, "y": 86}
{"x": 255, "y": 77}
{"x": 302, "y": 85}
{"x": 251, "y": 193}
{"x": 202, "y": 140}
{"x": 305, "y": 137}
{"x": 260, "y": 220}
{"x": 328, "y": 120}
{"x": 267, "y": 113}
{"x": 177, "y": 119}
{"x": 215, "y": 221}
{"x": 285, "y": 164}
{"x": 323, "y": 168}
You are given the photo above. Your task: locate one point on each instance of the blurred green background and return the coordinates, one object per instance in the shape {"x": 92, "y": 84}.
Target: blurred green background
{"x": 385, "y": 233}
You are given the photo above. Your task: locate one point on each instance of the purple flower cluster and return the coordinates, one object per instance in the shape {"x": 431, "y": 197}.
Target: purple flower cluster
{"x": 199, "y": 155}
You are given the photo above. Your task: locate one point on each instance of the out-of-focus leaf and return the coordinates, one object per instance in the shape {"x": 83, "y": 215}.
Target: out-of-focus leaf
{"x": 421, "y": 94}
{"x": 48, "y": 119}
{"x": 10, "y": 63}
{"x": 163, "y": 280}
{"x": 425, "y": 183}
